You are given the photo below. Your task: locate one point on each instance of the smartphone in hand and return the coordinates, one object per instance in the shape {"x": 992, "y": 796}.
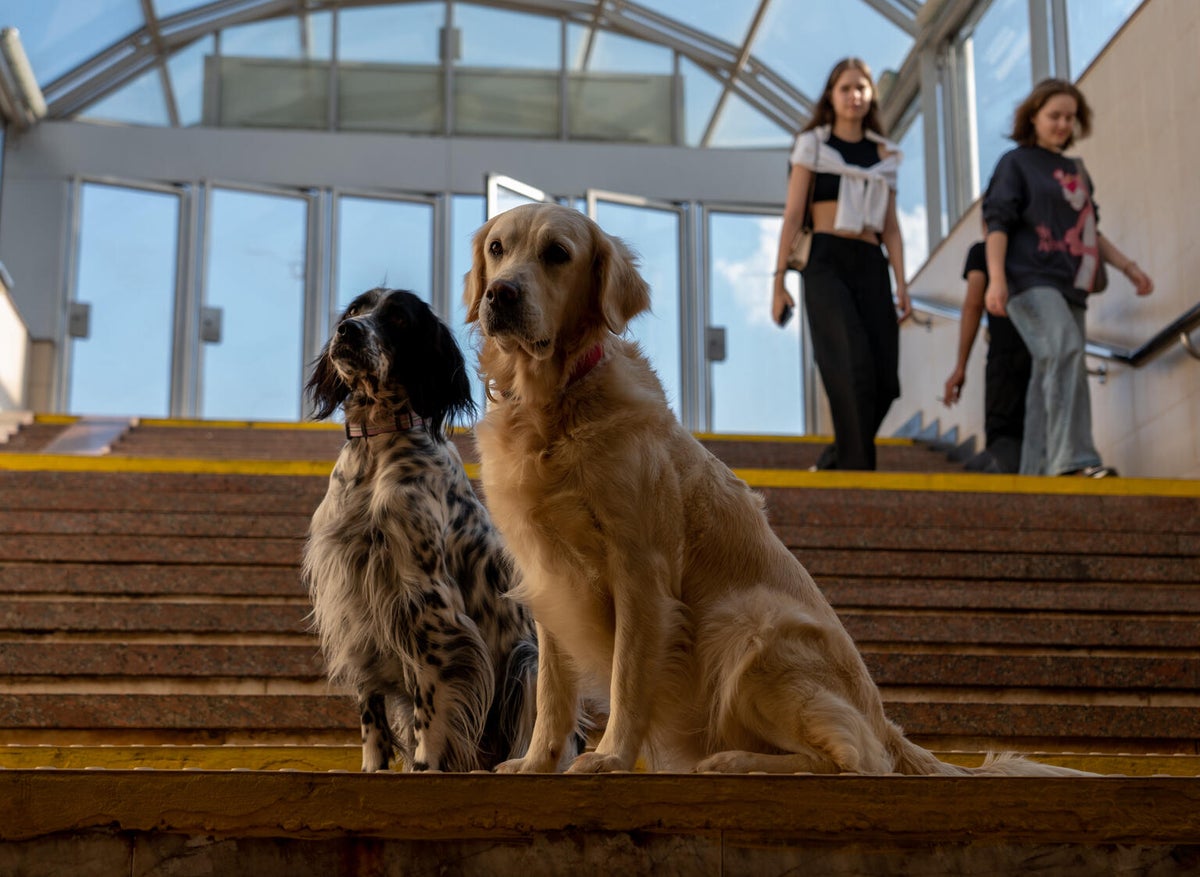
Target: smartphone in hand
{"x": 786, "y": 316}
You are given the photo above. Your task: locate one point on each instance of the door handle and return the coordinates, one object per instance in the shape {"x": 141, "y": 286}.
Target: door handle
{"x": 210, "y": 325}
{"x": 79, "y": 319}
{"x": 714, "y": 343}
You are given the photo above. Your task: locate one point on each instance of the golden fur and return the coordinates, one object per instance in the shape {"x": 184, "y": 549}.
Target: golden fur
{"x": 654, "y": 577}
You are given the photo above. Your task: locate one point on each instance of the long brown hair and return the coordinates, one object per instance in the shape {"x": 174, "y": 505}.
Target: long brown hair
{"x": 1023, "y": 131}
{"x": 823, "y": 113}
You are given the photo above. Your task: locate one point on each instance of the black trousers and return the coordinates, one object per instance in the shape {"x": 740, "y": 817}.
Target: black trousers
{"x": 856, "y": 340}
{"x": 1006, "y": 380}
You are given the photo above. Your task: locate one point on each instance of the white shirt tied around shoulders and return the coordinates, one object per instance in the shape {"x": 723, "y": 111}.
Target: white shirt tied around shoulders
{"x": 863, "y": 192}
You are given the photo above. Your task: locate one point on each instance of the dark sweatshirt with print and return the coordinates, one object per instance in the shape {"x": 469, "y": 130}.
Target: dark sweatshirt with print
{"x": 1043, "y": 201}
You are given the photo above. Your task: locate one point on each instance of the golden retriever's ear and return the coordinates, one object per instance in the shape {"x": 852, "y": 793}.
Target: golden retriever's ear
{"x": 622, "y": 291}
{"x": 475, "y": 280}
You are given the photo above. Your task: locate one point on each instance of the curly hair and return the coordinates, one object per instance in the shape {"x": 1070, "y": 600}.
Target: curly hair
{"x": 1023, "y": 131}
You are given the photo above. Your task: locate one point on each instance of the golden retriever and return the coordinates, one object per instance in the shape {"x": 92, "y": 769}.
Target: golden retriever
{"x": 652, "y": 572}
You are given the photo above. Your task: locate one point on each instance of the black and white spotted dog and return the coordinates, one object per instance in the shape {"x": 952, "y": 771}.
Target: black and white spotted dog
{"x": 406, "y": 573}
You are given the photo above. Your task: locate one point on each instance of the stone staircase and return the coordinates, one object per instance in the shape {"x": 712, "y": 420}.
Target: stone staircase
{"x": 163, "y": 701}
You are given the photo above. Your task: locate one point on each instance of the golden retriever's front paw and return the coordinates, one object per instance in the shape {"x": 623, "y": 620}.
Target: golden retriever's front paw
{"x": 730, "y": 761}
{"x": 594, "y": 762}
{"x": 523, "y": 765}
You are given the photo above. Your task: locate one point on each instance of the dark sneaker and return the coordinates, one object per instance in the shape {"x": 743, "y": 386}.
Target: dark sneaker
{"x": 1098, "y": 472}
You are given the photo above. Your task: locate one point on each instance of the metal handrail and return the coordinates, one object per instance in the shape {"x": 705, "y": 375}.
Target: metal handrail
{"x": 1177, "y": 331}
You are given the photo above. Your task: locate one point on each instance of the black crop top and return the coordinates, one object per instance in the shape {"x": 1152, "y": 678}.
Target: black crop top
{"x": 864, "y": 153}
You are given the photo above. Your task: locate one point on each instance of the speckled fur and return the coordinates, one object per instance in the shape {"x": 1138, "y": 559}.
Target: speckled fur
{"x": 407, "y": 576}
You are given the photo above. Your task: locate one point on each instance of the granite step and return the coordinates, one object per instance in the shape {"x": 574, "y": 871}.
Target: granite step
{"x": 281, "y": 522}
{"x": 84, "y": 579}
{"x": 1031, "y": 595}
{"x": 315, "y": 824}
{"x": 287, "y": 615}
{"x": 347, "y": 758}
{"x": 83, "y": 659}
{"x": 141, "y": 616}
{"x": 936, "y": 717}
{"x": 323, "y": 441}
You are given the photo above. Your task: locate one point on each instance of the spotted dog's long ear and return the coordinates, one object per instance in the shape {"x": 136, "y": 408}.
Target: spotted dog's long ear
{"x": 443, "y": 392}
{"x": 475, "y": 280}
{"x": 622, "y": 292}
{"x": 325, "y": 387}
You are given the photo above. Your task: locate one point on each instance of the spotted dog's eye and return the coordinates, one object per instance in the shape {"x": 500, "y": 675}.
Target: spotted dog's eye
{"x": 496, "y": 248}
{"x": 555, "y": 254}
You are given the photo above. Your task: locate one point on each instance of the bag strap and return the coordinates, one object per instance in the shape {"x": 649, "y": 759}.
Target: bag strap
{"x": 806, "y": 224}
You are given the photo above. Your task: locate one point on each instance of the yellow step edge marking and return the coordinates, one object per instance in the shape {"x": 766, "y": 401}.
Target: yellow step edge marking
{"x": 349, "y": 758}
{"x": 757, "y": 478}
{"x": 70, "y": 463}
{"x": 182, "y": 423}
{"x": 56, "y": 419}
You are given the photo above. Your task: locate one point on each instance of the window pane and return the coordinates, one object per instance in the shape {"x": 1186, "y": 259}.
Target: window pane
{"x": 654, "y": 236}
{"x": 1002, "y": 71}
{"x": 910, "y": 197}
{"x": 498, "y": 38}
{"x": 1090, "y": 25}
{"x": 743, "y": 126}
{"x": 266, "y": 93}
{"x": 802, "y": 41}
{"x": 408, "y": 33}
{"x": 187, "y": 80}
{"x": 255, "y": 275}
{"x": 615, "y": 53}
{"x": 757, "y": 389}
{"x": 58, "y": 36}
{"x": 273, "y": 38}
{"x": 383, "y": 243}
{"x": 466, "y": 216}
{"x": 126, "y": 272}
{"x": 727, "y": 20}
{"x": 141, "y": 102}
{"x": 700, "y": 94}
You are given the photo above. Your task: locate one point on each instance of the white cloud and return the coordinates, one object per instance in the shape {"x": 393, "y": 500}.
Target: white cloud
{"x": 915, "y": 234}
{"x": 750, "y": 278}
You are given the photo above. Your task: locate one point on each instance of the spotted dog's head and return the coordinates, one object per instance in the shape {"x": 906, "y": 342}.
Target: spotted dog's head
{"x": 389, "y": 349}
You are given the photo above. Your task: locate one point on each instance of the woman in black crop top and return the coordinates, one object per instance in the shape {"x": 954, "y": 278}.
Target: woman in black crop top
{"x": 852, "y": 318}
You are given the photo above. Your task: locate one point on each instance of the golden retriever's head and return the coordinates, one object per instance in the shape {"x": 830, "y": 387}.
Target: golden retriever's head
{"x": 546, "y": 280}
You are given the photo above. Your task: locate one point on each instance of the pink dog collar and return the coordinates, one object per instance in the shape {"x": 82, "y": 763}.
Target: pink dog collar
{"x": 585, "y": 365}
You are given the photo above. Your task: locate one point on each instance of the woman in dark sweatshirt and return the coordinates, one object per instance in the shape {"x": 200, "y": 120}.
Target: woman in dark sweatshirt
{"x": 1044, "y": 251}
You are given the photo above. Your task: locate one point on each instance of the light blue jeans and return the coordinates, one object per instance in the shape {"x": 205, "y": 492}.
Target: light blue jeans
{"x": 1058, "y": 409}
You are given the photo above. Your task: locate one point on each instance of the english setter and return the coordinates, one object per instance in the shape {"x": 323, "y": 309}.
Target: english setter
{"x": 652, "y": 570}
{"x": 407, "y": 576}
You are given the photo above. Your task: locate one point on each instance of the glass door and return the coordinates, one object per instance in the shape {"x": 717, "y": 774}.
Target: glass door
{"x": 504, "y": 193}
{"x": 254, "y": 295}
{"x": 757, "y": 388}
{"x": 654, "y": 230}
{"x": 121, "y": 312}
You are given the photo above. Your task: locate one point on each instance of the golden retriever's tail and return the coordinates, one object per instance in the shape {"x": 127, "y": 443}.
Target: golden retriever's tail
{"x": 912, "y": 759}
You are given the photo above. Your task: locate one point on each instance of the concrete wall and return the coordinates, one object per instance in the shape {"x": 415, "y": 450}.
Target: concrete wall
{"x": 1144, "y": 90}
{"x": 14, "y": 354}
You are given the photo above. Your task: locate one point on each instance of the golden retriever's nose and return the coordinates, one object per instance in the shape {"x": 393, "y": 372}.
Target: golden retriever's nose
{"x": 502, "y": 292}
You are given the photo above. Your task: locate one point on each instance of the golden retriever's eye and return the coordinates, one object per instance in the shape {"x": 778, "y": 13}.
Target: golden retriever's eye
{"x": 496, "y": 248}
{"x": 555, "y": 254}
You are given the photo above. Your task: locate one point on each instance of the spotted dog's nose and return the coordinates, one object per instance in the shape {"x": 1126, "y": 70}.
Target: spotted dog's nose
{"x": 349, "y": 331}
